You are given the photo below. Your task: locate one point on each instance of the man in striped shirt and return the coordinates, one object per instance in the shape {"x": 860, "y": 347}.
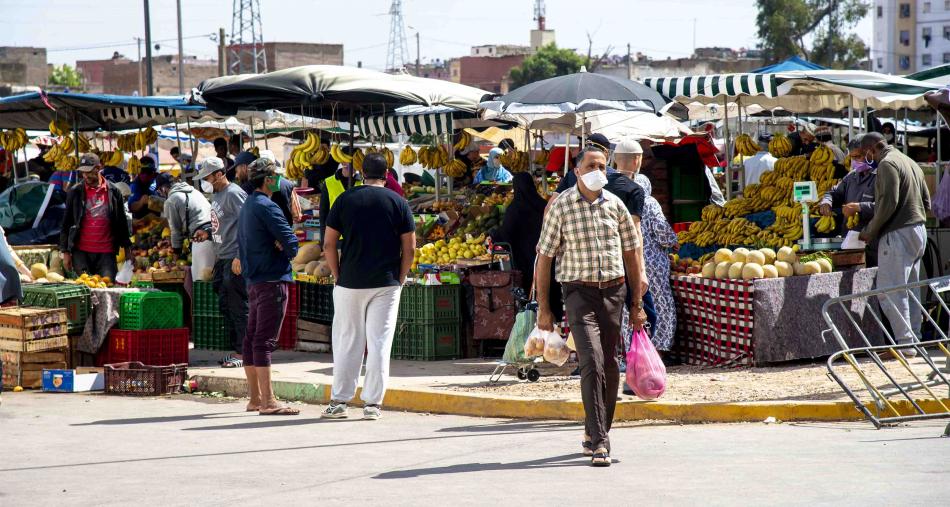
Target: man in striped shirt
{"x": 595, "y": 240}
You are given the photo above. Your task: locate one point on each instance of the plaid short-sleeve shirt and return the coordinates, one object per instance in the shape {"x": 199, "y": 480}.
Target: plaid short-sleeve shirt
{"x": 588, "y": 238}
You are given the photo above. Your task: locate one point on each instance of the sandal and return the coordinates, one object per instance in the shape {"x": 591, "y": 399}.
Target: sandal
{"x": 232, "y": 362}
{"x": 588, "y": 447}
{"x": 280, "y": 411}
{"x": 601, "y": 458}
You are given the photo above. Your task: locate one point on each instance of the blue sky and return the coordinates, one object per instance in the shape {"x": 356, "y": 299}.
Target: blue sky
{"x": 660, "y": 28}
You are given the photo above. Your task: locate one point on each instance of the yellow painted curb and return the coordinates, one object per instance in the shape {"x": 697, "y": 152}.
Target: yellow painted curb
{"x": 481, "y": 405}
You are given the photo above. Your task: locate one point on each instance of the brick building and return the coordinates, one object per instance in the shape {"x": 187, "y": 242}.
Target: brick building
{"x": 122, "y": 77}
{"x": 23, "y": 66}
{"x": 94, "y": 71}
{"x": 490, "y": 73}
{"x": 283, "y": 55}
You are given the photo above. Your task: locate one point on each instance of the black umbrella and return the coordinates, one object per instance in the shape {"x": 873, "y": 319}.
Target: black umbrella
{"x": 579, "y": 93}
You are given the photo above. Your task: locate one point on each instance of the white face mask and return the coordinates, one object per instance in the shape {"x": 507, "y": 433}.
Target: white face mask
{"x": 206, "y": 187}
{"x": 594, "y": 180}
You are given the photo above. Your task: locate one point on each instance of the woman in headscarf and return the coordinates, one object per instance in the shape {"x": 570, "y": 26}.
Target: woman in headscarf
{"x": 521, "y": 227}
{"x": 658, "y": 240}
{"x": 493, "y": 172}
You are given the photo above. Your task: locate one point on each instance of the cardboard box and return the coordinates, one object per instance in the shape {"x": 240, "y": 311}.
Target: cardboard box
{"x": 74, "y": 381}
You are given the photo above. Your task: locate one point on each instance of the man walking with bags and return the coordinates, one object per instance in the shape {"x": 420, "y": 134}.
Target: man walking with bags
{"x": 595, "y": 241}
{"x": 377, "y": 255}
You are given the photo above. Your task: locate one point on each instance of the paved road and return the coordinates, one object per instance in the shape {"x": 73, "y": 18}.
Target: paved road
{"x": 97, "y": 450}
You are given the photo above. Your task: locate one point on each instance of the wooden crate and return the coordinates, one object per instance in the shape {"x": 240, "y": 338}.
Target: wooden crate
{"x": 28, "y": 329}
{"x": 30, "y": 316}
{"x": 25, "y": 369}
{"x": 40, "y": 345}
{"x": 313, "y": 332}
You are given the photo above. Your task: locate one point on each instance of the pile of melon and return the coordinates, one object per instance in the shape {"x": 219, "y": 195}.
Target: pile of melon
{"x": 745, "y": 264}
{"x": 310, "y": 261}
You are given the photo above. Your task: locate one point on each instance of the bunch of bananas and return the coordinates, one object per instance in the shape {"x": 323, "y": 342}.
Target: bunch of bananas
{"x": 407, "y": 156}
{"x": 746, "y": 146}
{"x": 822, "y": 155}
{"x": 824, "y": 186}
{"x": 822, "y": 171}
{"x": 780, "y": 146}
{"x": 137, "y": 141}
{"x": 455, "y": 168}
{"x": 13, "y": 140}
{"x": 515, "y": 161}
{"x": 737, "y": 231}
{"x": 740, "y": 206}
{"x": 388, "y": 155}
{"x": 701, "y": 233}
{"x": 62, "y": 154}
{"x": 825, "y": 224}
{"x": 711, "y": 213}
{"x": 336, "y": 151}
{"x": 789, "y": 230}
{"x": 59, "y": 128}
{"x": 464, "y": 140}
{"x": 433, "y": 157}
{"x": 788, "y": 213}
{"x": 306, "y": 154}
{"x": 795, "y": 168}
{"x": 134, "y": 166}
{"x": 358, "y": 158}
{"x": 112, "y": 158}
{"x": 853, "y": 221}
{"x": 542, "y": 158}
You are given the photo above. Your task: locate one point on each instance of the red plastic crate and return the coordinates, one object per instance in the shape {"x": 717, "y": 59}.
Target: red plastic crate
{"x": 681, "y": 226}
{"x": 287, "y": 340}
{"x": 154, "y": 347}
{"x": 293, "y": 300}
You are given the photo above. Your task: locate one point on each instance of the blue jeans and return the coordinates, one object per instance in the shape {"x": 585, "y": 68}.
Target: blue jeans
{"x": 650, "y": 308}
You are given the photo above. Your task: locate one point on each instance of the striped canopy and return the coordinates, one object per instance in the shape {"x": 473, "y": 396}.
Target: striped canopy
{"x": 392, "y": 124}
{"x": 92, "y": 111}
{"x": 713, "y": 86}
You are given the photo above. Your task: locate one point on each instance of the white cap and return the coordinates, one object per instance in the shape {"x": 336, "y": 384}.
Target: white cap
{"x": 269, "y": 155}
{"x": 209, "y": 166}
{"x": 628, "y": 146}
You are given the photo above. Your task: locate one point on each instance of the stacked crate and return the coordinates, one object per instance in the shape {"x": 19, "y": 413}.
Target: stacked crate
{"x": 429, "y": 324}
{"x": 150, "y": 330}
{"x": 32, "y": 339}
{"x": 210, "y": 331}
{"x": 316, "y": 317}
{"x": 287, "y": 340}
{"x": 74, "y": 298}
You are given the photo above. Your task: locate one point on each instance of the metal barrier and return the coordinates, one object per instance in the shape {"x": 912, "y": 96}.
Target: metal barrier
{"x": 895, "y": 382}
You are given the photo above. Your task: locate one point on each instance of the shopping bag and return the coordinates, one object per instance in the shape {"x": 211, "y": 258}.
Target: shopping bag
{"x": 124, "y": 276}
{"x": 524, "y": 324}
{"x": 555, "y": 349}
{"x": 646, "y": 374}
{"x": 202, "y": 260}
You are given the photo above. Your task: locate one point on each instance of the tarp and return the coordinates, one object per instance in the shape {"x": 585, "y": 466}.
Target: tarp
{"x": 392, "y": 124}
{"x": 791, "y": 64}
{"x": 800, "y": 92}
{"x": 92, "y": 111}
{"x": 332, "y": 92}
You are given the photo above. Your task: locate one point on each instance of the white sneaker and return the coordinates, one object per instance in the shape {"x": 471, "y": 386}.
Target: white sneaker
{"x": 372, "y": 412}
{"x": 335, "y": 411}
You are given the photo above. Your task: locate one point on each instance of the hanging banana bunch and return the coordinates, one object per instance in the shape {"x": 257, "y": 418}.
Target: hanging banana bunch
{"x": 407, "y": 156}
{"x": 780, "y": 146}
{"x": 746, "y": 146}
{"x": 390, "y": 158}
{"x": 134, "y": 167}
{"x": 542, "y": 158}
{"x": 59, "y": 128}
{"x": 825, "y": 224}
{"x": 464, "y": 140}
{"x": 13, "y": 140}
{"x": 339, "y": 156}
{"x": 358, "y": 158}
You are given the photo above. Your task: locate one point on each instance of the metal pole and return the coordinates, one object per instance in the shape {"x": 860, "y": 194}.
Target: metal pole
{"x": 583, "y": 130}
{"x": 725, "y": 126}
{"x": 76, "y": 132}
{"x": 264, "y": 126}
{"x": 450, "y": 181}
{"x": 905, "y": 132}
{"x": 141, "y": 88}
{"x": 850, "y": 117}
{"x": 181, "y": 60}
{"x": 353, "y": 170}
{"x": 567, "y": 151}
{"x": 178, "y": 139}
{"x": 149, "y": 83}
{"x": 417, "y": 54}
{"x": 26, "y": 167}
{"x": 222, "y": 53}
{"x": 629, "y": 64}
{"x": 939, "y": 154}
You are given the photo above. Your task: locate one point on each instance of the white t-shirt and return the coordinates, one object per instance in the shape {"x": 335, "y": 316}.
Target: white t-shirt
{"x": 756, "y": 165}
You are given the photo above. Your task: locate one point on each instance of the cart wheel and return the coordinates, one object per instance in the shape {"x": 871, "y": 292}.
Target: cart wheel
{"x": 522, "y": 375}
{"x": 534, "y": 375}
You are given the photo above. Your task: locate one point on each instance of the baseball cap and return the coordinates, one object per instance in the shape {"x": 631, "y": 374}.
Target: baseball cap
{"x": 269, "y": 155}
{"x": 600, "y": 141}
{"x": 261, "y": 165}
{"x": 88, "y": 162}
{"x": 163, "y": 179}
{"x": 245, "y": 157}
{"x": 209, "y": 166}
{"x": 629, "y": 146}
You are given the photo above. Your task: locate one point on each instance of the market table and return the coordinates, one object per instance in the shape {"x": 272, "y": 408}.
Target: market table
{"x": 768, "y": 320}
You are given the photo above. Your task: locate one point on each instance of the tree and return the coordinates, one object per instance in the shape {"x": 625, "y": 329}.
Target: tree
{"x": 786, "y": 27}
{"x": 66, "y": 76}
{"x": 550, "y": 61}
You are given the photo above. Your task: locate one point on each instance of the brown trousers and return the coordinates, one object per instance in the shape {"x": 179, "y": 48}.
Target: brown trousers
{"x": 594, "y": 316}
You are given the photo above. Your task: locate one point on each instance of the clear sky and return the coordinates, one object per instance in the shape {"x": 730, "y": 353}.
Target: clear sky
{"x": 448, "y": 28}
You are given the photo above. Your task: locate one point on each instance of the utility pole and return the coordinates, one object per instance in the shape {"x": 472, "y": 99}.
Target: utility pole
{"x": 181, "y": 60}
{"x": 629, "y": 64}
{"x": 149, "y": 84}
{"x": 694, "y": 36}
{"x": 139, "y": 41}
{"x": 417, "y": 53}
{"x": 246, "y": 51}
{"x": 397, "y": 50}
{"x": 222, "y": 53}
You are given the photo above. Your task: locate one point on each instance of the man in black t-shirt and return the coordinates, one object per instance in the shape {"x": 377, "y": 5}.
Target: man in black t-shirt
{"x": 377, "y": 255}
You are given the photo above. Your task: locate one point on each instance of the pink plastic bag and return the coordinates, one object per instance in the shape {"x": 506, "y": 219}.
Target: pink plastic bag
{"x": 646, "y": 373}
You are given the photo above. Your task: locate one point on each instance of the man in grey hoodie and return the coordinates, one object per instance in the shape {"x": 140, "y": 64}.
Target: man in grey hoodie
{"x": 186, "y": 209}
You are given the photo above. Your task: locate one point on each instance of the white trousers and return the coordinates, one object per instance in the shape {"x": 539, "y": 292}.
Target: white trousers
{"x": 363, "y": 319}
{"x": 898, "y": 263}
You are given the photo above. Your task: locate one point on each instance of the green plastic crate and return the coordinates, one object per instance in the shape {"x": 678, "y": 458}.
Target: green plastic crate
{"x": 426, "y": 303}
{"x": 142, "y": 284}
{"x": 211, "y": 333}
{"x": 150, "y": 310}
{"x": 73, "y": 297}
{"x": 316, "y": 301}
{"x": 204, "y": 300}
{"x": 427, "y": 341}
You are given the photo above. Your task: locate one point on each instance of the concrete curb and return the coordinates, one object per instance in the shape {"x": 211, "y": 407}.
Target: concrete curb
{"x": 480, "y": 405}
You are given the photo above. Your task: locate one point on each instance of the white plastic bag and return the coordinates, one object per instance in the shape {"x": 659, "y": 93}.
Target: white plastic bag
{"x": 202, "y": 256}
{"x": 124, "y": 276}
{"x": 555, "y": 350}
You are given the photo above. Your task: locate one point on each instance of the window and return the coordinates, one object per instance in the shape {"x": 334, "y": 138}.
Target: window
{"x": 926, "y": 60}
{"x": 905, "y": 62}
{"x": 905, "y": 37}
{"x": 926, "y": 7}
{"x": 880, "y": 10}
{"x": 946, "y": 5}
{"x": 946, "y": 58}
{"x": 905, "y": 10}
{"x": 926, "y": 34}
{"x": 946, "y": 32}
{"x": 880, "y": 63}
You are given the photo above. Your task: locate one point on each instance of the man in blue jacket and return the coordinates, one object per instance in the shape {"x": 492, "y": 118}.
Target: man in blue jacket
{"x": 266, "y": 245}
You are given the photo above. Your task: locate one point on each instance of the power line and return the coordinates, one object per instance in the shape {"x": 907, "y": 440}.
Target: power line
{"x": 123, "y": 44}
